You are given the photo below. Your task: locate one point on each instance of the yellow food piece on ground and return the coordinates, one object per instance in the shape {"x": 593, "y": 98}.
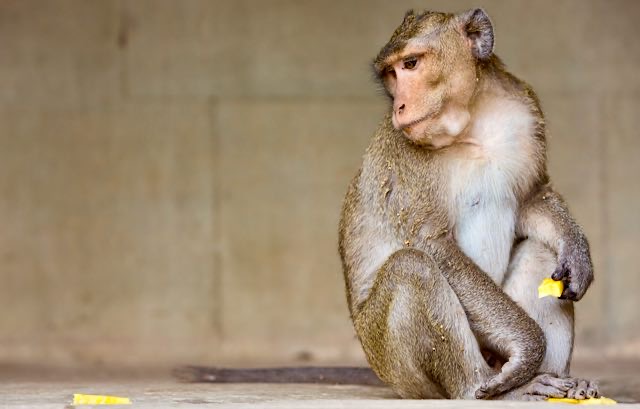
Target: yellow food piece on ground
{"x": 550, "y": 286}
{"x": 81, "y": 399}
{"x": 590, "y": 401}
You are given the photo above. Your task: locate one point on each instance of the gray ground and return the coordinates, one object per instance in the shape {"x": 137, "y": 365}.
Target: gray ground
{"x": 47, "y": 388}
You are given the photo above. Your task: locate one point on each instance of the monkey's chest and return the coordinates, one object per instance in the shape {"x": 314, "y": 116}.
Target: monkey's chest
{"x": 484, "y": 215}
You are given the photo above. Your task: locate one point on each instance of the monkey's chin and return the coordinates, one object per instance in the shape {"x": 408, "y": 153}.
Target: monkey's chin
{"x": 419, "y": 133}
{"x": 439, "y": 132}
{"x": 429, "y": 136}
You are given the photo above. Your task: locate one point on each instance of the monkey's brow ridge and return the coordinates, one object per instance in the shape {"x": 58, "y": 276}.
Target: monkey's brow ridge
{"x": 409, "y": 29}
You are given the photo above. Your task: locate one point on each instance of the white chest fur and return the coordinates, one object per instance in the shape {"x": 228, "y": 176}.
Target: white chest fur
{"x": 483, "y": 178}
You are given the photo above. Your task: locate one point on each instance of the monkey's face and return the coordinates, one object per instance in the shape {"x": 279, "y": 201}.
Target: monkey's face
{"x": 428, "y": 68}
{"x": 431, "y": 87}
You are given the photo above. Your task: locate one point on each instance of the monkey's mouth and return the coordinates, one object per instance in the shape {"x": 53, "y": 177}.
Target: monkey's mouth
{"x": 406, "y": 128}
{"x": 414, "y": 123}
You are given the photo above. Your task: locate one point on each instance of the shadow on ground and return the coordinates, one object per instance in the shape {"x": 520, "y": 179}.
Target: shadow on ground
{"x": 46, "y": 387}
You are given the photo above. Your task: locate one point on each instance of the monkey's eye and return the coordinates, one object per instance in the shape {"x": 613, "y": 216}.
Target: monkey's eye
{"x": 410, "y": 63}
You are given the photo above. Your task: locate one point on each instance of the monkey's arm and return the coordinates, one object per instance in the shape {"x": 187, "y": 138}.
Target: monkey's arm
{"x": 494, "y": 317}
{"x": 545, "y": 217}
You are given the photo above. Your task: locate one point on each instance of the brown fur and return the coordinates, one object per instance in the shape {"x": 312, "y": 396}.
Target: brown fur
{"x": 427, "y": 311}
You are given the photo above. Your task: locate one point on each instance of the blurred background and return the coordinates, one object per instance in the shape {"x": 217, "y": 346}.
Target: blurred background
{"x": 171, "y": 172}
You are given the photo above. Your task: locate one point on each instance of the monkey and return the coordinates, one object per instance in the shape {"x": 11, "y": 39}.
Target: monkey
{"x": 452, "y": 222}
{"x": 448, "y": 227}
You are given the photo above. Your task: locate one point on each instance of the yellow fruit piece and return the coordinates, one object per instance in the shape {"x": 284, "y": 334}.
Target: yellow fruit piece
{"x": 550, "y": 287}
{"x": 81, "y": 399}
{"x": 590, "y": 401}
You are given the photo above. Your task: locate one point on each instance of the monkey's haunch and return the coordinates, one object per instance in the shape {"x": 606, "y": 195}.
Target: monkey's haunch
{"x": 320, "y": 375}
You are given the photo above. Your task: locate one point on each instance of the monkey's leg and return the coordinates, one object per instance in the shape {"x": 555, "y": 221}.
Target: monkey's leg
{"x": 531, "y": 262}
{"x": 415, "y": 332}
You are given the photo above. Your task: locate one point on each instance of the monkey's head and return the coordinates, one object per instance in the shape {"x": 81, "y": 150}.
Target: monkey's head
{"x": 429, "y": 70}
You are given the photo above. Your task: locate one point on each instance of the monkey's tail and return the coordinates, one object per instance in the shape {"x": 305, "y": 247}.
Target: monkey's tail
{"x": 340, "y": 375}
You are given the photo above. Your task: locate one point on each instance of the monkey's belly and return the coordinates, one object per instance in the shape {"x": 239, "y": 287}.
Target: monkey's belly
{"x": 485, "y": 231}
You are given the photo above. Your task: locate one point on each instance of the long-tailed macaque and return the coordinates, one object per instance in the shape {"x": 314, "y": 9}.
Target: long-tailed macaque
{"x": 449, "y": 227}
{"x": 451, "y": 224}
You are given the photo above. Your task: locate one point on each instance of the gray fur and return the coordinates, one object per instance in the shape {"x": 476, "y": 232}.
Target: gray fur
{"x": 425, "y": 314}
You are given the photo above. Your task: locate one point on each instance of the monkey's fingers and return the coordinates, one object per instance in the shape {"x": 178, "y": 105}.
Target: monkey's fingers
{"x": 561, "y": 272}
{"x": 569, "y": 294}
{"x": 576, "y": 272}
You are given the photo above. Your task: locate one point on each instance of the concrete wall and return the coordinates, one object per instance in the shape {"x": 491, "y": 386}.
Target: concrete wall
{"x": 171, "y": 172}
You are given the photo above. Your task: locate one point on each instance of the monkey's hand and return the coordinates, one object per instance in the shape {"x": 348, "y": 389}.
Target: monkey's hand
{"x": 574, "y": 268}
{"x": 545, "y": 217}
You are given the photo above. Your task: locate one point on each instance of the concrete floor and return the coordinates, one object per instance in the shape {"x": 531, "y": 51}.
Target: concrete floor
{"x": 46, "y": 388}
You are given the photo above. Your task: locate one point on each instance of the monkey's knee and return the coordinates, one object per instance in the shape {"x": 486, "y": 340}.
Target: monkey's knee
{"x": 532, "y": 261}
{"x": 409, "y": 265}
{"x": 417, "y": 291}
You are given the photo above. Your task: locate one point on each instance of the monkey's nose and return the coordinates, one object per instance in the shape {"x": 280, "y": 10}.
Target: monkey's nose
{"x": 400, "y": 109}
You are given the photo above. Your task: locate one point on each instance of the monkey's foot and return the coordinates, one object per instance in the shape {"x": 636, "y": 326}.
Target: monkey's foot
{"x": 583, "y": 389}
{"x": 546, "y": 386}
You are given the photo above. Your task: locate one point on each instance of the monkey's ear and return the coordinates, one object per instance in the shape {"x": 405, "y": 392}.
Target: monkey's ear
{"x": 477, "y": 26}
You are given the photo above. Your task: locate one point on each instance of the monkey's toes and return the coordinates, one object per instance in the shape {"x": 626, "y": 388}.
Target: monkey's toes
{"x": 584, "y": 389}
{"x": 593, "y": 391}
